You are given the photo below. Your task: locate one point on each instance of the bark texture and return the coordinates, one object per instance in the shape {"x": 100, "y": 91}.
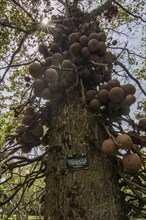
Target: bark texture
{"x": 88, "y": 194}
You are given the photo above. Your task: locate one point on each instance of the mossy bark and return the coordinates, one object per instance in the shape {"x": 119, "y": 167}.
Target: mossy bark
{"x": 88, "y": 194}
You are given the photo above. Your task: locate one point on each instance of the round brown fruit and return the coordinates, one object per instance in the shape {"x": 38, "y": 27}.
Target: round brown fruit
{"x": 101, "y": 48}
{"x": 102, "y": 86}
{"x": 114, "y": 42}
{"x": 93, "y": 45}
{"x": 20, "y": 140}
{"x": 132, "y": 162}
{"x": 107, "y": 76}
{"x": 112, "y": 83}
{"x": 27, "y": 79}
{"x": 54, "y": 48}
{"x": 94, "y": 57}
{"x": 67, "y": 30}
{"x": 46, "y": 94}
{"x": 54, "y": 87}
{"x": 77, "y": 60}
{"x": 109, "y": 147}
{"x": 75, "y": 49}
{"x": 74, "y": 37}
{"x": 70, "y": 76}
{"x": 42, "y": 49}
{"x": 67, "y": 64}
{"x": 108, "y": 57}
{"x": 85, "y": 52}
{"x": 66, "y": 84}
{"x": 37, "y": 93}
{"x": 51, "y": 75}
{"x": 91, "y": 94}
{"x": 116, "y": 94}
{"x": 124, "y": 110}
{"x": 130, "y": 99}
{"x": 48, "y": 61}
{"x": 27, "y": 119}
{"x": 28, "y": 137}
{"x": 36, "y": 142}
{"x": 114, "y": 106}
{"x": 85, "y": 73}
{"x": 39, "y": 85}
{"x": 95, "y": 104}
{"x": 84, "y": 40}
{"x": 27, "y": 85}
{"x": 128, "y": 89}
{"x": 97, "y": 78}
{"x": 142, "y": 122}
{"x": 93, "y": 35}
{"x": 102, "y": 36}
{"x": 26, "y": 149}
{"x": 67, "y": 22}
{"x": 20, "y": 129}
{"x": 103, "y": 95}
{"x": 35, "y": 70}
{"x": 65, "y": 54}
{"x": 37, "y": 130}
{"x": 57, "y": 59}
{"x": 29, "y": 110}
{"x": 124, "y": 141}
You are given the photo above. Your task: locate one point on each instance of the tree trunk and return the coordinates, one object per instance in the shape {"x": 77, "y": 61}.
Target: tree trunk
{"x": 81, "y": 182}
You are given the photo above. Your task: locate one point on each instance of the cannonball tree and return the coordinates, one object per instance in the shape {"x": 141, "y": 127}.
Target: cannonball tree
{"x": 72, "y": 106}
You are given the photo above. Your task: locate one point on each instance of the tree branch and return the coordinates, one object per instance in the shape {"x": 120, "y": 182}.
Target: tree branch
{"x": 9, "y": 25}
{"x": 19, "y": 201}
{"x": 130, "y": 13}
{"x": 18, "y": 187}
{"x": 14, "y": 54}
{"x": 133, "y": 78}
{"x": 99, "y": 10}
{"x": 23, "y": 159}
{"x": 123, "y": 49}
{"x": 20, "y": 64}
{"x": 62, "y": 2}
{"x": 23, "y": 9}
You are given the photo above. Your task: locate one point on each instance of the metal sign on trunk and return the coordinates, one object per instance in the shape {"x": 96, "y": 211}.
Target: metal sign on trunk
{"x": 77, "y": 162}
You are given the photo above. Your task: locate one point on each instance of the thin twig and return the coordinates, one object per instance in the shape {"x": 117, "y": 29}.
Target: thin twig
{"x": 15, "y": 53}
{"x": 9, "y": 25}
{"x": 99, "y": 10}
{"x": 132, "y": 77}
{"x": 121, "y": 48}
{"x": 23, "y": 9}
{"x": 130, "y": 13}
{"x": 18, "y": 65}
{"x": 131, "y": 182}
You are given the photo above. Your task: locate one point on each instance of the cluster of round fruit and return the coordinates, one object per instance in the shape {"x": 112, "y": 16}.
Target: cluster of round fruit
{"x": 49, "y": 83}
{"x": 77, "y": 48}
{"x": 75, "y": 20}
{"x": 131, "y": 161}
{"x": 117, "y": 98}
{"x": 29, "y": 133}
{"x": 83, "y": 46}
{"x": 88, "y": 53}
{"x": 60, "y": 69}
